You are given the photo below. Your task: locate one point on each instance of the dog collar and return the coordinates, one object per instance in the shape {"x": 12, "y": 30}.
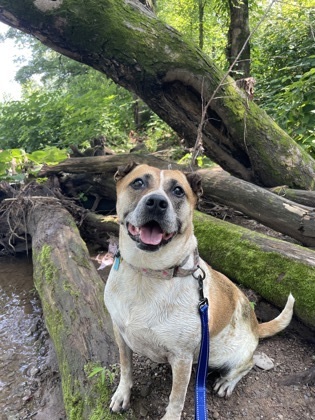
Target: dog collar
{"x": 166, "y": 274}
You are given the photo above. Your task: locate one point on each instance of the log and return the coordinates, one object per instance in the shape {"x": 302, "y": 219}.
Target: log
{"x": 271, "y": 267}
{"x": 96, "y": 230}
{"x": 105, "y": 164}
{"x": 278, "y": 213}
{"x": 71, "y": 292}
{"x": 307, "y": 198}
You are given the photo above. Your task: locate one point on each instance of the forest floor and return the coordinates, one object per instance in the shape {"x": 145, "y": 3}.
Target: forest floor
{"x": 262, "y": 394}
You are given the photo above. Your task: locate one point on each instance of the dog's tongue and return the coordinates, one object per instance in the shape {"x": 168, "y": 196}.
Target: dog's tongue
{"x": 151, "y": 235}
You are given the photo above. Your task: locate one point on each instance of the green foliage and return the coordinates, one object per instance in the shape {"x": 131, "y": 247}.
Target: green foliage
{"x": 93, "y": 106}
{"x": 202, "y": 161}
{"x": 157, "y": 133}
{"x": 16, "y": 165}
{"x": 106, "y": 375}
{"x": 283, "y": 64}
{"x": 53, "y": 70}
{"x": 184, "y": 16}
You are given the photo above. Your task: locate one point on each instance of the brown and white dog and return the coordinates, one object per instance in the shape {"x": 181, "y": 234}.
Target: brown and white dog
{"x": 153, "y": 297}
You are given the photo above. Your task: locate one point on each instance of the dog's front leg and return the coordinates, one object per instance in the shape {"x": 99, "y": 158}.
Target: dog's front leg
{"x": 121, "y": 398}
{"x": 181, "y": 371}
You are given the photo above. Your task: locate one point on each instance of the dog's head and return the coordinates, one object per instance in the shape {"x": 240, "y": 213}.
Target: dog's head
{"x": 155, "y": 206}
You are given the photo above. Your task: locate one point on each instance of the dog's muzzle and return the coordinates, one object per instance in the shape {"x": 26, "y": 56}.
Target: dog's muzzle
{"x": 153, "y": 230}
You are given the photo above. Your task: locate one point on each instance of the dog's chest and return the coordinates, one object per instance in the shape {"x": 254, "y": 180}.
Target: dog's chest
{"x": 155, "y": 317}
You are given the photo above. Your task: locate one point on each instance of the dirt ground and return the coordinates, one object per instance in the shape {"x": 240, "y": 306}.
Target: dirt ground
{"x": 260, "y": 395}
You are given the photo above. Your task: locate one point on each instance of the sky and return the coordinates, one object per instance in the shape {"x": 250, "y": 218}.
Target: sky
{"x": 8, "y": 87}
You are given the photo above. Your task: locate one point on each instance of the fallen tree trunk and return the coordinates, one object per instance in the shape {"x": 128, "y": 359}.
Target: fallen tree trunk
{"x": 307, "y": 198}
{"x": 95, "y": 176}
{"x": 271, "y": 267}
{"x": 278, "y": 213}
{"x": 105, "y": 164}
{"x": 71, "y": 293}
{"x": 126, "y": 41}
{"x": 267, "y": 265}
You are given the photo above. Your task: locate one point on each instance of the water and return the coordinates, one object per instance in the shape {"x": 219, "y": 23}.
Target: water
{"x": 20, "y": 317}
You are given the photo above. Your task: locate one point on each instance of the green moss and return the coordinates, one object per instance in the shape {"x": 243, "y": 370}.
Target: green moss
{"x": 100, "y": 391}
{"x": 45, "y": 275}
{"x": 43, "y": 260}
{"x": 228, "y": 249}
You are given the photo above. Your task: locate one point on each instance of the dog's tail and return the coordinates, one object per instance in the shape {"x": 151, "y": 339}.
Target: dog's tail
{"x": 267, "y": 329}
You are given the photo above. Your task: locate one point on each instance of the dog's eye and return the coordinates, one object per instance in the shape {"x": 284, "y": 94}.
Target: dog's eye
{"x": 178, "y": 191}
{"x": 137, "y": 184}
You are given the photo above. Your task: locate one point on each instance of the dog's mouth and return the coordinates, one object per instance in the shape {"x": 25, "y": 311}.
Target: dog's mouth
{"x": 149, "y": 236}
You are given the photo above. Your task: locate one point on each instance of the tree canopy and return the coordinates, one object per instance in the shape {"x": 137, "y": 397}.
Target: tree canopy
{"x": 282, "y": 62}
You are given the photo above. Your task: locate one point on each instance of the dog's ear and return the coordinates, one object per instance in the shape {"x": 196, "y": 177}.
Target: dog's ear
{"x": 194, "y": 180}
{"x": 124, "y": 170}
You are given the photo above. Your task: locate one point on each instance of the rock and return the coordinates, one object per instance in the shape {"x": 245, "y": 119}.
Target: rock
{"x": 145, "y": 390}
{"x": 262, "y": 361}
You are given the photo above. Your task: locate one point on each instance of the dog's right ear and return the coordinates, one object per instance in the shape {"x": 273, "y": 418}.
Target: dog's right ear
{"x": 122, "y": 171}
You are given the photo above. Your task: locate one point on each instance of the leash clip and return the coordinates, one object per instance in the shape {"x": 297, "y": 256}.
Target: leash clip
{"x": 202, "y": 300}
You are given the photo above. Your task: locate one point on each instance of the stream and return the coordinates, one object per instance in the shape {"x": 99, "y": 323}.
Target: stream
{"x": 29, "y": 376}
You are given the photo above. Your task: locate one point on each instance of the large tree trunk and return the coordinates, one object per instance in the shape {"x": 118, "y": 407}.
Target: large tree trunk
{"x": 124, "y": 40}
{"x": 71, "y": 293}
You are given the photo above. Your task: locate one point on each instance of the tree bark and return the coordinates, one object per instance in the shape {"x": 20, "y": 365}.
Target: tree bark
{"x": 307, "y": 198}
{"x": 71, "y": 293}
{"x": 237, "y": 36}
{"x": 124, "y": 40}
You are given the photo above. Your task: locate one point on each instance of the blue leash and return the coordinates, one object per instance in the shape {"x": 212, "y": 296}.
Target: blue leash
{"x": 202, "y": 367}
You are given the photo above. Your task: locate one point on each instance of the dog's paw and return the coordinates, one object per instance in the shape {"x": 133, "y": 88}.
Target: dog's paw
{"x": 171, "y": 417}
{"x": 120, "y": 400}
{"x": 224, "y": 387}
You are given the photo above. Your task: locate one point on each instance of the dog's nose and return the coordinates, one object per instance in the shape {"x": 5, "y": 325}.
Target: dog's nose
{"x": 156, "y": 204}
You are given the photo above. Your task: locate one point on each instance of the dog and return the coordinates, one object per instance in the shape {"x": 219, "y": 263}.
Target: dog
{"x": 152, "y": 294}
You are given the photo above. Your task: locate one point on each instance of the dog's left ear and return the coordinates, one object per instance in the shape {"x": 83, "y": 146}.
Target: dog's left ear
{"x": 122, "y": 171}
{"x": 194, "y": 180}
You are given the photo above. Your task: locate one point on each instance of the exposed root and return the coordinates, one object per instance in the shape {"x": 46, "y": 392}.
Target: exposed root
{"x": 14, "y": 235}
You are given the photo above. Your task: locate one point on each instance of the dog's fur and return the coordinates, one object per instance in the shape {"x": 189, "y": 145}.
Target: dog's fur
{"x": 159, "y": 318}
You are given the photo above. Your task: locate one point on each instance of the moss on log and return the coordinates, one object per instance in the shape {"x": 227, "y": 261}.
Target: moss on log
{"x": 71, "y": 293}
{"x": 269, "y": 266}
